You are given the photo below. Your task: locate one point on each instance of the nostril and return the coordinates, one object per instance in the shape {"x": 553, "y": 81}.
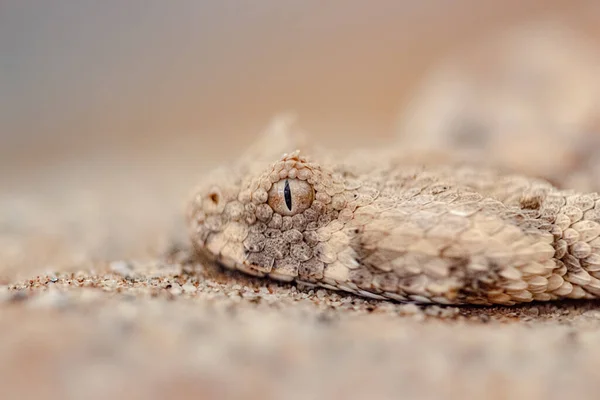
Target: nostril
{"x": 214, "y": 197}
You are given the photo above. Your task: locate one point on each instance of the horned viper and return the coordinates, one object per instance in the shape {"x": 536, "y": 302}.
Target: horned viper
{"x": 378, "y": 225}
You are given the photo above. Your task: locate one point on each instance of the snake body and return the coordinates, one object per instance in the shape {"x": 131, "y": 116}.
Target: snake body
{"x": 380, "y": 227}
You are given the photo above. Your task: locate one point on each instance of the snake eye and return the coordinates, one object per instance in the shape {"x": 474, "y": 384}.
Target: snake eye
{"x": 291, "y": 196}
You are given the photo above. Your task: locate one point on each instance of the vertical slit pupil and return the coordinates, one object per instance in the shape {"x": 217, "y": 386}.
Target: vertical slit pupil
{"x": 287, "y": 194}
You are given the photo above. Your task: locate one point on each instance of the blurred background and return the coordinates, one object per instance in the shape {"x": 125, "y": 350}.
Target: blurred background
{"x": 81, "y": 77}
{"x": 111, "y": 110}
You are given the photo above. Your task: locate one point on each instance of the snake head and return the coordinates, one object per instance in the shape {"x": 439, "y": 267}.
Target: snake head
{"x": 273, "y": 215}
{"x": 272, "y": 223}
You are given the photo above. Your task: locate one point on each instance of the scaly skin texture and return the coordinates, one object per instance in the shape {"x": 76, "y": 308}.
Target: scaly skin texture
{"x": 382, "y": 228}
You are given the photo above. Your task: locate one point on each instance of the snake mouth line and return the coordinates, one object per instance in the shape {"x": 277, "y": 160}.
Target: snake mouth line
{"x": 229, "y": 263}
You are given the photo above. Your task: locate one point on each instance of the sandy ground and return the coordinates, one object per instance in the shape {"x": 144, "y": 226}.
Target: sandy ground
{"x": 100, "y": 297}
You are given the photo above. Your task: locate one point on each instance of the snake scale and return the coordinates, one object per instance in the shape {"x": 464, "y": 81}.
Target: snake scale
{"x": 381, "y": 226}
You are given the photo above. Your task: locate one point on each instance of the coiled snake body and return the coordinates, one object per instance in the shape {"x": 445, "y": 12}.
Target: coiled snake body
{"x": 386, "y": 229}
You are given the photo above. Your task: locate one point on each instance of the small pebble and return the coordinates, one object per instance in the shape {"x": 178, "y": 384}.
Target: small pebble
{"x": 176, "y": 289}
{"x": 592, "y": 314}
{"x": 189, "y": 288}
{"x": 410, "y": 309}
{"x": 441, "y": 312}
{"x": 122, "y": 268}
{"x": 532, "y": 312}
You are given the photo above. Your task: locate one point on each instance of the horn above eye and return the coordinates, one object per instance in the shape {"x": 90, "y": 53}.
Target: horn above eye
{"x": 291, "y": 196}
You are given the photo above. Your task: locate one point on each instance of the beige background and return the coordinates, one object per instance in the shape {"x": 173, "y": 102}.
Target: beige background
{"x": 77, "y": 78}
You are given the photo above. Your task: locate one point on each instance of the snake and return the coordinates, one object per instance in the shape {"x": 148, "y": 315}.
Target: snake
{"x": 385, "y": 226}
